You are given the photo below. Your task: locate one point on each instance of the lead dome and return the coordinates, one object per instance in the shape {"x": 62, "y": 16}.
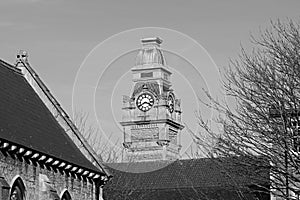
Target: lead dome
{"x": 150, "y": 53}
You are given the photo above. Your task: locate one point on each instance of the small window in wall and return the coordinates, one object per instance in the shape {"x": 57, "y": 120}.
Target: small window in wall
{"x": 147, "y": 75}
{"x": 17, "y": 190}
{"x": 66, "y": 196}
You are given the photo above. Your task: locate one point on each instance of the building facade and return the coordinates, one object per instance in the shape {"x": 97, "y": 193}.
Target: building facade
{"x": 40, "y": 156}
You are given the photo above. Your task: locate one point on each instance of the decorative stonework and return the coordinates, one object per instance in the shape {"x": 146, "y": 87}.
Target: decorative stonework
{"x": 163, "y": 142}
{"x": 153, "y": 87}
{"x": 37, "y": 158}
{"x": 127, "y": 145}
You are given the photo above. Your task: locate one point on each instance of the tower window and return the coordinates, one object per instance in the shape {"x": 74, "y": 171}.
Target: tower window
{"x": 147, "y": 75}
{"x": 166, "y": 77}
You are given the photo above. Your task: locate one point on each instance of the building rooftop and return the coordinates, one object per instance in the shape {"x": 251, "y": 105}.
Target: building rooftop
{"x": 184, "y": 179}
{"x": 25, "y": 121}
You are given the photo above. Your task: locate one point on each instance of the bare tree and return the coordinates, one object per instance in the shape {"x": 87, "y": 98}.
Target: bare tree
{"x": 108, "y": 152}
{"x": 263, "y": 121}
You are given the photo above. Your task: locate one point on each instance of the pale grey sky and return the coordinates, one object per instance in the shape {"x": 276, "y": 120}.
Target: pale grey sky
{"x": 59, "y": 34}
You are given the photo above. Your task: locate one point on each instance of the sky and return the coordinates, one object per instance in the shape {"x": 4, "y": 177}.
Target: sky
{"x": 62, "y": 36}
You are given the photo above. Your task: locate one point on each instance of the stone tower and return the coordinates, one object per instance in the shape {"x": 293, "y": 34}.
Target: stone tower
{"x": 151, "y": 114}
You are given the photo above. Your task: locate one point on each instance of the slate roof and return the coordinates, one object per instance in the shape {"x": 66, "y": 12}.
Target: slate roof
{"x": 26, "y": 121}
{"x": 184, "y": 179}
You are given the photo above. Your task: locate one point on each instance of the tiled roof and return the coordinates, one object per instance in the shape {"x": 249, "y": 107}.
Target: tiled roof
{"x": 184, "y": 177}
{"x": 26, "y": 121}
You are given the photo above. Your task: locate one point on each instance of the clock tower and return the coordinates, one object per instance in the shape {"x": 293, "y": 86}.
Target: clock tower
{"x": 151, "y": 117}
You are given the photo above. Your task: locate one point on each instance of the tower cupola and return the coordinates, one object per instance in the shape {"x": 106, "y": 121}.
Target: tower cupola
{"x": 150, "y": 52}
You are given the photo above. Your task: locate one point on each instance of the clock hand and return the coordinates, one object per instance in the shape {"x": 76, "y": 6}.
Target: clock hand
{"x": 145, "y": 103}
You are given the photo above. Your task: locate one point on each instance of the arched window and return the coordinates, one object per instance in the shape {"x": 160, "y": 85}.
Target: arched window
{"x": 66, "y": 196}
{"x": 17, "y": 190}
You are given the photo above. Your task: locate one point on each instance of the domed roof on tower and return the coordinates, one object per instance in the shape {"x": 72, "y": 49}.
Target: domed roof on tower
{"x": 150, "y": 52}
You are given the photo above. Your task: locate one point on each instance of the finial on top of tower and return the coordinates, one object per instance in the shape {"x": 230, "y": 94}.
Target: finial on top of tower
{"x": 153, "y": 40}
{"x": 150, "y": 52}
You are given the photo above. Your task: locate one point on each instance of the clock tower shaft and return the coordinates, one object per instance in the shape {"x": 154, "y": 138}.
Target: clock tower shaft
{"x": 151, "y": 114}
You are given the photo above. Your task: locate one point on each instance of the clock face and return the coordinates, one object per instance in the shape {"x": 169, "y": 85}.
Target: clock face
{"x": 145, "y": 101}
{"x": 171, "y": 103}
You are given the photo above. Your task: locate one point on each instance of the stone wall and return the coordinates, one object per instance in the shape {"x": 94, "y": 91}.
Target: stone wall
{"x": 42, "y": 183}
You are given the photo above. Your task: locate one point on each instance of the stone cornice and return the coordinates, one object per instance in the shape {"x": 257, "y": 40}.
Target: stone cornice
{"x": 43, "y": 160}
{"x": 158, "y": 121}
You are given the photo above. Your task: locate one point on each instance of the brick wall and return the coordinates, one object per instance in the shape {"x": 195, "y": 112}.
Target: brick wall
{"x": 42, "y": 183}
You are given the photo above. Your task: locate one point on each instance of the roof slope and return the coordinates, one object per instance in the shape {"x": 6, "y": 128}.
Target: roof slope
{"x": 26, "y": 121}
{"x": 184, "y": 178}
